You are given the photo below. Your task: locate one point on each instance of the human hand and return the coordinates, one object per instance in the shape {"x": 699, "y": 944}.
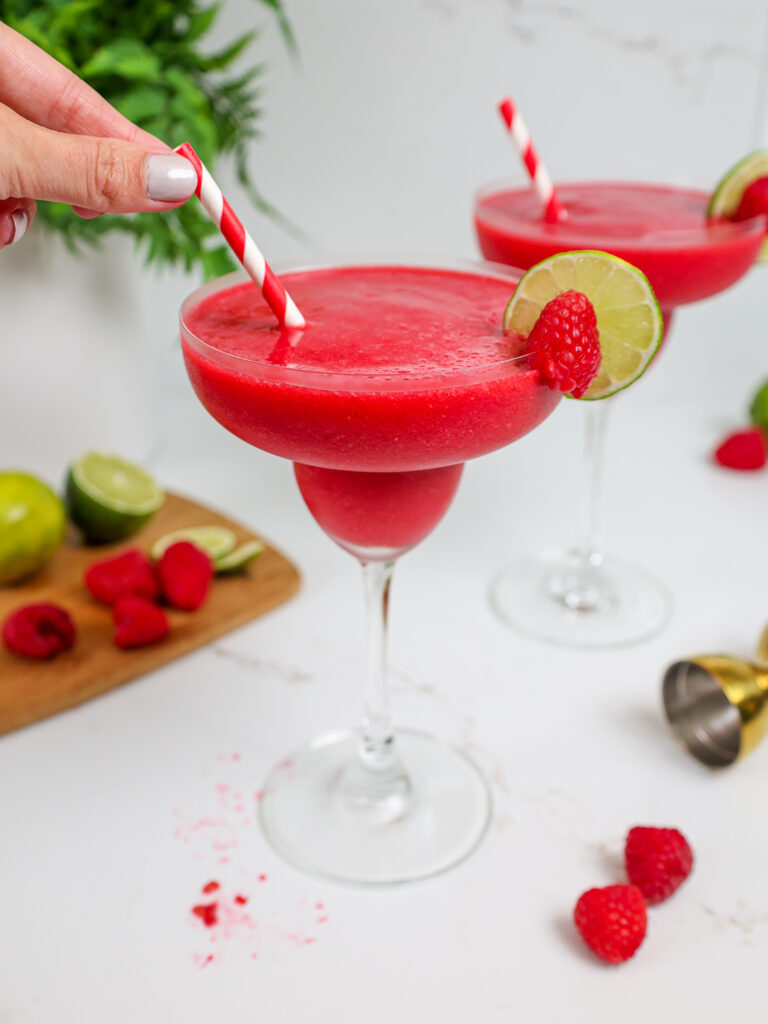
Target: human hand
{"x": 61, "y": 141}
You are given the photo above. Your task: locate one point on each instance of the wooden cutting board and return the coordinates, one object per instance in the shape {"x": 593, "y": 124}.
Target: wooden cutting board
{"x": 31, "y": 690}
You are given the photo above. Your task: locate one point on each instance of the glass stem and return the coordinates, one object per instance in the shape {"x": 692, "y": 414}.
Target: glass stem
{"x": 377, "y": 750}
{"x": 375, "y": 787}
{"x": 594, "y": 448}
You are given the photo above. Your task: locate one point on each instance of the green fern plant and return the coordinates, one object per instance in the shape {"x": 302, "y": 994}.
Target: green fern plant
{"x": 149, "y": 59}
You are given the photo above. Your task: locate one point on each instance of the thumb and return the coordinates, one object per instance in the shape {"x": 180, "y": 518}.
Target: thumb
{"x": 105, "y": 175}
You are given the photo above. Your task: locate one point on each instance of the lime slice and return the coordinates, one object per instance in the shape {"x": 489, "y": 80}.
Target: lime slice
{"x": 240, "y": 559}
{"x": 110, "y": 498}
{"x": 628, "y": 315}
{"x": 215, "y": 541}
{"x": 729, "y": 190}
{"x": 32, "y": 525}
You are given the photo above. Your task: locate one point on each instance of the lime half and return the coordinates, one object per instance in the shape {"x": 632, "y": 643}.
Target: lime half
{"x": 628, "y": 316}
{"x": 730, "y": 189}
{"x": 215, "y": 541}
{"x": 240, "y": 559}
{"x": 110, "y": 498}
{"x": 32, "y": 524}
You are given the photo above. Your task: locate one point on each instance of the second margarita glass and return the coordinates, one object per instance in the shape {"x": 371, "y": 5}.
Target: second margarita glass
{"x": 584, "y": 597}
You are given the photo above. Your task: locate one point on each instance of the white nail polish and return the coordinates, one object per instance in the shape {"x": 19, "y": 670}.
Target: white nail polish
{"x": 20, "y": 224}
{"x": 170, "y": 178}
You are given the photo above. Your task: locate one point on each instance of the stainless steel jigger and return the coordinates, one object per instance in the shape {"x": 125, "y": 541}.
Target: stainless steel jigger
{"x": 718, "y": 705}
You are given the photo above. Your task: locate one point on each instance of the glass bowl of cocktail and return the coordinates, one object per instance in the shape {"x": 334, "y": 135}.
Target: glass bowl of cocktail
{"x": 689, "y": 248}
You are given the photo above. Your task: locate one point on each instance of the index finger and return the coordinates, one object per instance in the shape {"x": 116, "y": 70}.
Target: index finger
{"x": 41, "y": 90}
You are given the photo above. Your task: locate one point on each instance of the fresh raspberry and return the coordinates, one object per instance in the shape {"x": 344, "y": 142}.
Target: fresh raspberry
{"x": 744, "y": 449}
{"x": 185, "y": 575}
{"x": 658, "y": 860}
{"x": 612, "y": 921}
{"x": 138, "y": 622}
{"x": 564, "y": 344}
{"x": 754, "y": 201}
{"x": 39, "y": 631}
{"x": 130, "y": 574}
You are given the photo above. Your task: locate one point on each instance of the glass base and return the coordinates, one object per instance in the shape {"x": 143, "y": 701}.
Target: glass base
{"x": 314, "y": 818}
{"x": 563, "y": 600}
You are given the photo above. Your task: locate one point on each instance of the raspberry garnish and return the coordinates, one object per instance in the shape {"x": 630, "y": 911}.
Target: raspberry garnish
{"x": 138, "y": 622}
{"x": 130, "y": 574}
{"x": 658, "y": 860}
{"x": 564, "y": 343}
{"x": 754, "y": 201}
{"x": 185, "y": 575}
{"x": 39, "y": 631}
{"x": 612, "y": 921}
{"x": 744, "y": 449}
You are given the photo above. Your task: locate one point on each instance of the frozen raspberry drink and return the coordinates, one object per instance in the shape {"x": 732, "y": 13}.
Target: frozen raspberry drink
{"x": 401, "y": 375}
{"x": 662, "y": 230}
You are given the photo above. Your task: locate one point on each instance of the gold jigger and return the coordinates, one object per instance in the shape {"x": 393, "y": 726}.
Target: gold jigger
{"x": 718, "y": 705}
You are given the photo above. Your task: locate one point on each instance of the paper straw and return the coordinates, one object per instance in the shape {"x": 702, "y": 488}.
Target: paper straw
{"x": 241, "y": 243}
{"x": 553, "y": 209}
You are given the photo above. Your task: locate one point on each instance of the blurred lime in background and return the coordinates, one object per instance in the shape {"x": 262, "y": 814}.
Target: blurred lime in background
{"x": 32, "y": 525}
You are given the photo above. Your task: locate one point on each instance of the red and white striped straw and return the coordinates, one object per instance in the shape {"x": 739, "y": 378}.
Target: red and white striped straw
{"x": 241, "y": 243}
{"x": 553, "y": 209}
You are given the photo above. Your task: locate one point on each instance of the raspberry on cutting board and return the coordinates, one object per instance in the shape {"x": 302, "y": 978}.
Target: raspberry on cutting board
{"x": 185, "y": 573}
{"x": 128, "y": 574}
{"x": 39, "y": 631}
{"x": 138, "y": 622}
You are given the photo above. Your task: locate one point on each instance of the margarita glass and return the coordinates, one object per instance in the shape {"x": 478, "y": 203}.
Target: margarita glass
{"x": 402, "y": 373}
{"x": 584, "y": 597}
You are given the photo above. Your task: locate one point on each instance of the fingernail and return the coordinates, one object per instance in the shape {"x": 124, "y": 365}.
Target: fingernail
{"x": 20, "y": 225}
{"x": 170, "y": 178}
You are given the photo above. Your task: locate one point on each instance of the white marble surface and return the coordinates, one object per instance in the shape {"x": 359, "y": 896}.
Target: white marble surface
{"x": 117, "y": 813}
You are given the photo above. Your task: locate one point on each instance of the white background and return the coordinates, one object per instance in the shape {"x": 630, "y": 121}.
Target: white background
{"x": 376, "y": 140}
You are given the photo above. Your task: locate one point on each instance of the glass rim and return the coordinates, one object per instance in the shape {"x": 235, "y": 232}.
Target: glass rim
{"x": 318, "y": 377}
{"x": 753, "y": 225}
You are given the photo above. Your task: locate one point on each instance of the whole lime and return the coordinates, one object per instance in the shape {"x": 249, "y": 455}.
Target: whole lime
{"x": 758, "y": 409}
{"x": 32, "y": 525}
